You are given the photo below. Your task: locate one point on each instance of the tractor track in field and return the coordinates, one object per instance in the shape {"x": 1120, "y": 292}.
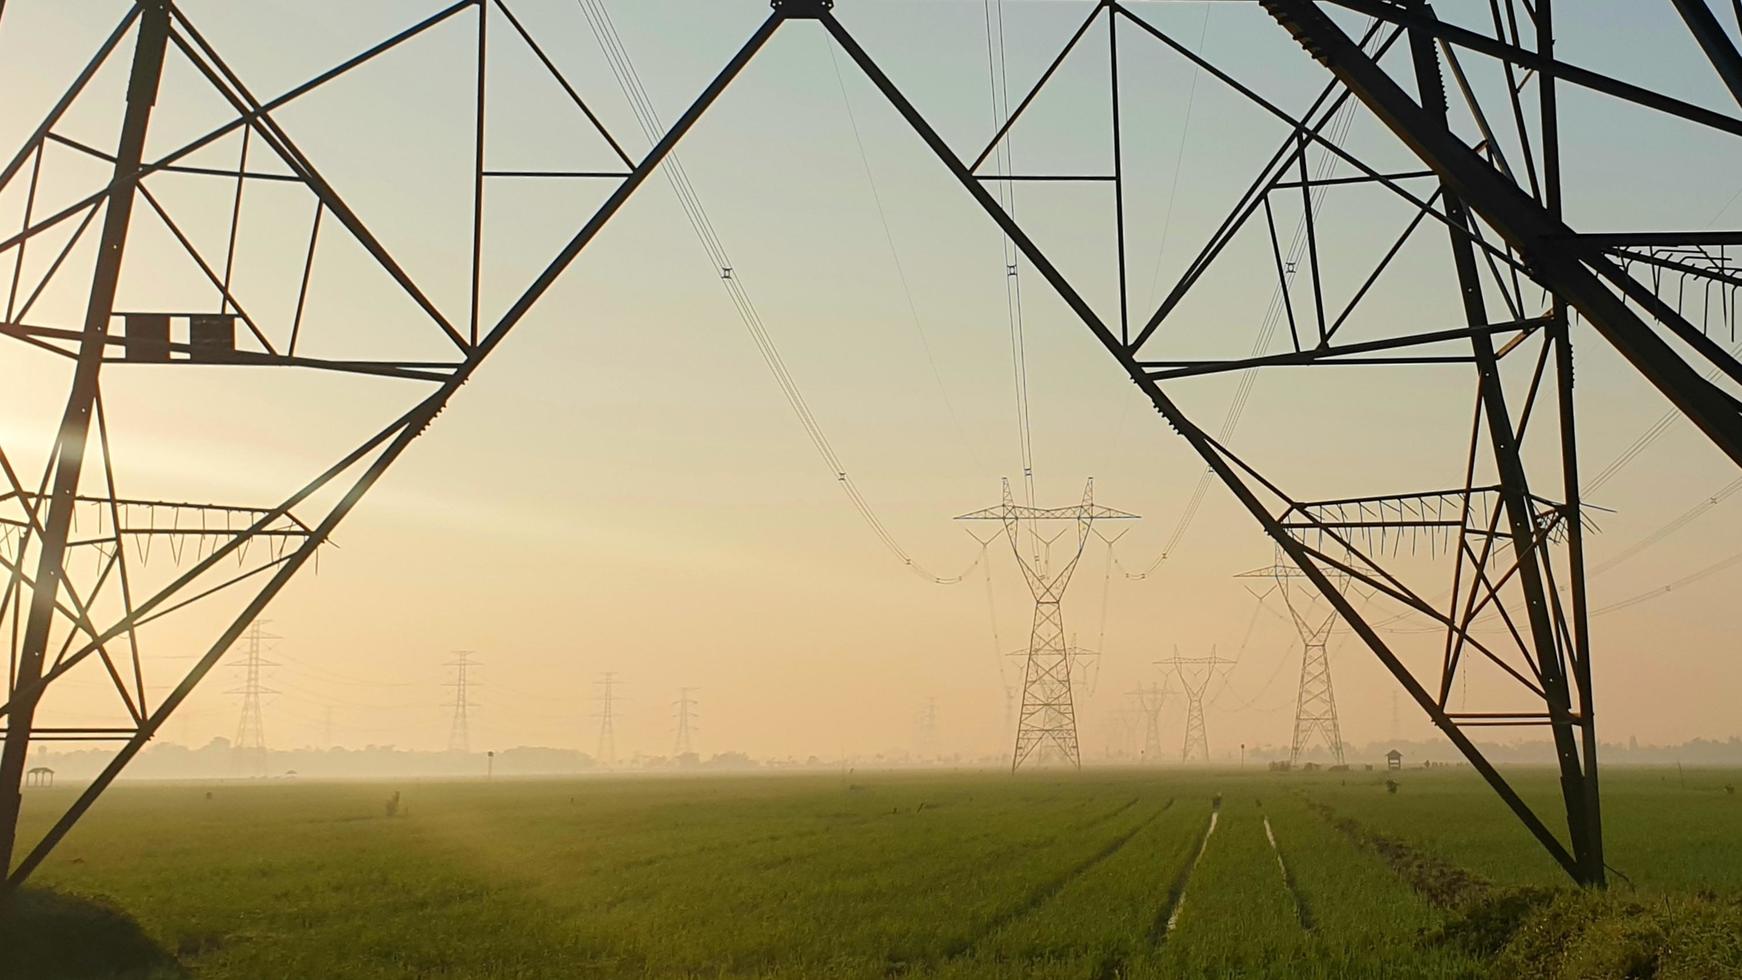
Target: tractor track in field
{"x": 1092, "y": 822}
{"x": 1176, "y": 893}
{"x": 964, "y": 948}
{"x": 1302, "y": 911}
{"x": 1444, "y": 885}
{"x": 842, "y": 824}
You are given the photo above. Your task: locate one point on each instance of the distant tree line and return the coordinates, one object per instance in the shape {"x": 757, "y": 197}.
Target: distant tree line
{"x": 218, "y": 759}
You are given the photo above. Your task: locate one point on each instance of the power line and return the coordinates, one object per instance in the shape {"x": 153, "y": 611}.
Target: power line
{"x": 1337, "y": 131}
{"x": 895, "y": 253}
{"x": 1639, "y": 444}
{"x": 331, "y": 677}
{"x": 1687, "y": 517}
{"x": 1003, "y": 162}
{"x": 1180, "y": 155}
{"x": 623, "y": 70}
{"x": 1663, "y": 590}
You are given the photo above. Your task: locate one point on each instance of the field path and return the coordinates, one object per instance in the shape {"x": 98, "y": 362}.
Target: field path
{"x": 1177, "y": 895}
{"x": 1300, "y": 905}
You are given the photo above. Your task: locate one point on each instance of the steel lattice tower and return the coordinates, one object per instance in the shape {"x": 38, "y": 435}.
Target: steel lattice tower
{"x": 926, "y": 729}
{"x": 605, "y": 689}
{"x": 1315, "y": 710}
{"x": 1046, "y": 728}
{"x": 460, "y": 730}
{"x": 686, "y": 705}
{"x": 1149, "y": 701}
{"x": 248, "y": 751}
{"x": 1195, "y": 676}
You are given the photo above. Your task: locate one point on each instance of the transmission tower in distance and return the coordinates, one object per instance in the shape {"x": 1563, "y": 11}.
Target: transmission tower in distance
{"x": 1195, "y": 675}
{"x": 1046, "y": 728}
{"x": 926, "y": 729}
{"x": 460, "y": 733}
{"x": 1315, "y": 708}
{"x": 686, "y": 713}
{"x": 1149, "y": 701}
{"x": 248, "y": 753}
{"x": 605, "y": 692}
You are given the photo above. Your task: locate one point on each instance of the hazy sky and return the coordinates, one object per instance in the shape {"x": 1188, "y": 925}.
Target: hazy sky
{"x": 622, "y": 486}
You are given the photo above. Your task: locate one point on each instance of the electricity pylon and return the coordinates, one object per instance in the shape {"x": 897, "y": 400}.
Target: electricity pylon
{"x": 1195, "y": 675}
{"x": 1315, "y": 708}
{"x": 248, "y": 752}
{"x": 1047, "y": 725}
{"x": 686, "y": 705}
{"x": 1149, "y": 701}
{"x": 459, "y": 732}
{"x": 1556, "y": 271}
{"x": 926, "y": 729}
{"x": 605, "y": 689}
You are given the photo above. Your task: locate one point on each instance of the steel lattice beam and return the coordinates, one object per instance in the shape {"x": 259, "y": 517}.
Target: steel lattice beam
{"x": 1550, "y": 249}
{"x": 1244, "y": 483}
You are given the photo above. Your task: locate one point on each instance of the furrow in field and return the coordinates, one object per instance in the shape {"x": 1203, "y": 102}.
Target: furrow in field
{"x": 1440, "y": 882}
{"x": 1098, "y": 920}
{"x": 1236, "y": 917}
{"x": 1364, "y": 915}
{"x": 1176, "y": 897}
{"x": 1300, "y": 905}
{"x": 878, "y": 889}
{"x": 1048, "y": 889}
{"x": 873, "y": 847}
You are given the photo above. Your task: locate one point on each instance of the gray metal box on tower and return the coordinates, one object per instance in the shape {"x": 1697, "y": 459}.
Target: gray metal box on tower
{"x": 212, "y": 336}
{"x": 146, "y": 336}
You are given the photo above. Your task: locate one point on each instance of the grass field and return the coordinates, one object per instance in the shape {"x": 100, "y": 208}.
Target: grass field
{"x": 1102, "y": 874}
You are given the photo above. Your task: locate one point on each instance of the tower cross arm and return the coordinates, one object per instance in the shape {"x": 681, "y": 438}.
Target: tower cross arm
{"x": 1278, "y": 570}
{"x": 1080, "y": 512}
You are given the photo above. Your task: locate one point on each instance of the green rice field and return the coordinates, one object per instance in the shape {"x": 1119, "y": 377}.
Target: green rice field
{"x": 1110, "y": 873}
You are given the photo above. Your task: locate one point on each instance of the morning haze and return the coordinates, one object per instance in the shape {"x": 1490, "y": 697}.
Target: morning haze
{"x": 720, "y": 455}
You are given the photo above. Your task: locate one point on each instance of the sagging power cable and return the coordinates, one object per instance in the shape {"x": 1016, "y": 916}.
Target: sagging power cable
{"x": 998, "y": 80}
{"x": 1665, "y": 589}
{"x": 1336, "y": 132}
{"x": 895, "y": 253}
{"x": 1644, "y": 440}
{"x": 647, "y": 118}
